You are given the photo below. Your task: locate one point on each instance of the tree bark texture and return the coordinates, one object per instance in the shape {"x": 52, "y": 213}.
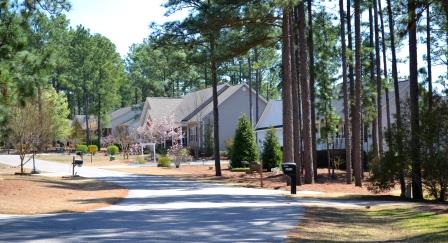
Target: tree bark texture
{"x": 288, "y": 147}
{"x": 306, "y": 99}
{"x": 357, "y": 149}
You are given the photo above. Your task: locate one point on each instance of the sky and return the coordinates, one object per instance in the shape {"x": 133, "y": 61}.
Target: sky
{"x": 124, "y": 22}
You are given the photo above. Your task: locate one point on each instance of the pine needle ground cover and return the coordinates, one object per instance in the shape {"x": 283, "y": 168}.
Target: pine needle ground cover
{"x": 427, "y": 223}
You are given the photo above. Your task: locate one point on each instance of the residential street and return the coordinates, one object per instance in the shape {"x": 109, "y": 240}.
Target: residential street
{"x": 160, "y": 209}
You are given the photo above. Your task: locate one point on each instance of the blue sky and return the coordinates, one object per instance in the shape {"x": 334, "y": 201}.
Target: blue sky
{"x": 122, "y": 21}
{"x": 126, "y": 22}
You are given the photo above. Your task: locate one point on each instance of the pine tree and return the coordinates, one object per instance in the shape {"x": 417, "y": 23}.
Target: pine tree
{"x": 244, "y": 146}
{"x": 272, "y": 153}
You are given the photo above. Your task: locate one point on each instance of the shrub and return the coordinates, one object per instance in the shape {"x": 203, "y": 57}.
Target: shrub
{"x": 272, "y": 153}
{"x": 112, "y": 150}
{"x": 178, "y": 154}
{"x": 92, "y": 149}
{"x": 141, "y": 160}
{"x": 244, "y": 146}
{"x": 164, "y": 161}
{"x": 81, "y": 148}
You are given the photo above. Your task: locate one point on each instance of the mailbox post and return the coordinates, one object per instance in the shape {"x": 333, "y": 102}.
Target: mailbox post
{"x": 290, "y": 169}
{"x": 76, "y": 162}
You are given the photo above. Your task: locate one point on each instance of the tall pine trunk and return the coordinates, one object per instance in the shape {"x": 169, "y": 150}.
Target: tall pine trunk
{"x": 378, "y": 78}
{"x": 383, "y": 45}
{"x": 214, "y": 68}
{"x": 373, "y": 81}
{"x": 296, "y": 100}
{"x": 288, "y": 147}
{"x": 413, "y": 89}
{"x": 428, "y": 56}
{"x": 312, "y": 81}
{"x": 345, "y": 90}
{"x": 351, "y": 76}
{"x": 357, "y": 150}
{"x": 306, "y": 99}
{"x": 396, "y": 90}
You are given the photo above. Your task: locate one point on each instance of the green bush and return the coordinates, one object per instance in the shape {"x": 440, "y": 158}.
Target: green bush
{"x": 141, "y": 160}
{"x": 112, "y": 150}
{"x": 244, "y": 146}
{"x": 81, "y": 148}
{"x": 272, "y": 153}
{"x": 164, "y": 161}
{"x": 92, "y": 149}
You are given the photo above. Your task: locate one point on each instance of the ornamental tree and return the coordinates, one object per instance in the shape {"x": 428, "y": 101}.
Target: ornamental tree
{"x": 272, "y": 153}
{"x": 244, "y": 146}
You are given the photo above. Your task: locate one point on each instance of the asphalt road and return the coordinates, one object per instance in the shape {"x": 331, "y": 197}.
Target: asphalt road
{"x": 160, "y": 209}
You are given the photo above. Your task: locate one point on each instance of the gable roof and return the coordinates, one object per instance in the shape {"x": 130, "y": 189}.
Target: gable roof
{"x": 126, "y": 115}
{"x": 194, "y": 102}
{"x": 190, "y": 107}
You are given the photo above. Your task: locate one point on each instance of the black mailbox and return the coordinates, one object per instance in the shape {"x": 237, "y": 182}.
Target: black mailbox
{"x": 78, "y": 162}
{"x": 79, "y": 153}
{"x": 290, "y": 169}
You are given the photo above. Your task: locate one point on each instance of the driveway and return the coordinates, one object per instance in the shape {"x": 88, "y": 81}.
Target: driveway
{"x": 161, "y": 209}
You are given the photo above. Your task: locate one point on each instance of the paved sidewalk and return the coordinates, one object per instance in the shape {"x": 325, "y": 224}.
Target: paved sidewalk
{"x": 161, "y": 209}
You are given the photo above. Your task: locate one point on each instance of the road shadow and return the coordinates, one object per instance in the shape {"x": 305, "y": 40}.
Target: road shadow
{"x": 160, "y": 209}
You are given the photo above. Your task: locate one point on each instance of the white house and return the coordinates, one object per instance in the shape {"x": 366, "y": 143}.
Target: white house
{"x": 272, "y": 117}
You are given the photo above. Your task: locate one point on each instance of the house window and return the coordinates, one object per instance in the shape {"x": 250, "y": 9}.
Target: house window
{"x": 192, "y": 134}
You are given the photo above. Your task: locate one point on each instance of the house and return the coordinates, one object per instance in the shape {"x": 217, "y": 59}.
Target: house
{"x": 272, "y": 117}
{"x": 129, "y": 116}
{"x": 194, "y": 113}
{"x": 81, "y": 122}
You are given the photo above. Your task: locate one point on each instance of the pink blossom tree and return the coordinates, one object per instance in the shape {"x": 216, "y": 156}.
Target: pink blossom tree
{"x": 161, "y": 129}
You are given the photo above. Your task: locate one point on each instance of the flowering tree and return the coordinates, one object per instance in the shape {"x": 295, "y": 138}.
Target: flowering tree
{"x": 106, "y": 141}
{"x": 160, "y": 130}
{"x": 125, "y": 138}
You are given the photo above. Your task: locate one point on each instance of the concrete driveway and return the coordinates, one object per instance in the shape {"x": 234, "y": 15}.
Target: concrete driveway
{"x": 161, "y": 209}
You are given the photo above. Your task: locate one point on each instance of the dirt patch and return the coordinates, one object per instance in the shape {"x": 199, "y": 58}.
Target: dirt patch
{"x": 330, "y": 187}
{"x": 99, "y": 159}
{"x": 38, "y": 195}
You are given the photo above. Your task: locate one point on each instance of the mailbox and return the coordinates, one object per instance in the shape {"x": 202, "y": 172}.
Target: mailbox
{"x": 289, "y": 168}
{"x": 78, "y": 162}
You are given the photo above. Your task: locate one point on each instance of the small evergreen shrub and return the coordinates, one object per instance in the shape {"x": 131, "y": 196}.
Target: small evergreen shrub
{"x": 81, "y": 148}
{"x": 112, "y": 150}
{"x": 92, "y": 149}
{"x": 244, "y": 147}
{"x": 272, "y": 153}
{"x": 164, "y": 161}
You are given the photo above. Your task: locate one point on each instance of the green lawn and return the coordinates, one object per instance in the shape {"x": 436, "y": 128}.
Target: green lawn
{"x": 383, "y": 223}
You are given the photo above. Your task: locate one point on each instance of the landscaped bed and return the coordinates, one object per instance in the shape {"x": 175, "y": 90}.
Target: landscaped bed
{"x": 39, "y": 195}
{"x": 325, "y": 186}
